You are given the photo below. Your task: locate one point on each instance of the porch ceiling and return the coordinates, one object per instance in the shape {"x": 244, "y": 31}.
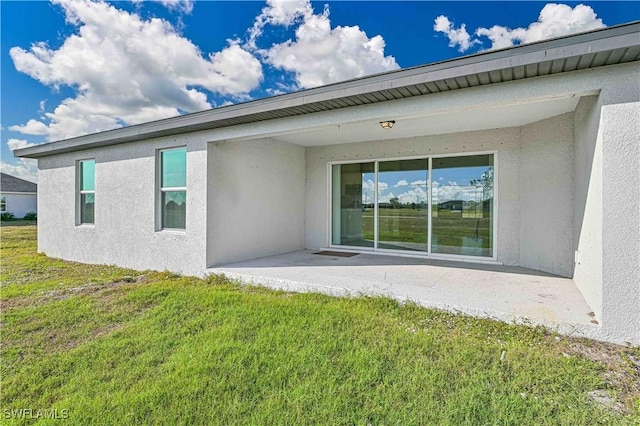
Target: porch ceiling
{"x": 434, "y": 124}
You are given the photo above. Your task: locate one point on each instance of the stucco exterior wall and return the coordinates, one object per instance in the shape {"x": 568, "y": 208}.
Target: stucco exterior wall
{"x": 256, "y": 200}
{"x": 124, "y": 232}
{"x": 546, "y": 195}
{"x": 20, "y": 204}
{"x": 534, "y": 172}
{"x": 620, "y": 135}
{"x": 587, "y": 214}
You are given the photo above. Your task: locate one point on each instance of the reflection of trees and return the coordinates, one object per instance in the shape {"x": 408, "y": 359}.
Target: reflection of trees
{"x": 486, "y": 182}
{"x": 172, "y": 205}
{"x": 394, "y": 203}
{"x": 88, "y": 209}
{"x": 174, "y": 215}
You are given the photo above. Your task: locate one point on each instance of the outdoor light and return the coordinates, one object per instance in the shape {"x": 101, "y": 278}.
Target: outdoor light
{"x": 387, "y": 124}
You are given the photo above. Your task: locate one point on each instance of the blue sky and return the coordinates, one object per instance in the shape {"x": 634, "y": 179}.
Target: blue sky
{"x": 71, "y": 67}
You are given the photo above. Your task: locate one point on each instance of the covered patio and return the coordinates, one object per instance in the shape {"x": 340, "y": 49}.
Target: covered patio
{"x": 505, "y": 293}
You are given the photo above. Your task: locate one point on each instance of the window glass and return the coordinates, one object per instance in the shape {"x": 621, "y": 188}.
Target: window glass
{"x": 87, "y": 203}
{"x": 353, "y": 204}
{"x": 87, "y": 175}
{"x": 403, "y": 215}
{"x": 174, "y": 210}
{"x": 3, "y": 204}
{"x": 462, "y": 205}
{"x": 173, "y": 196}
{"x": 174, "y": 168}
{"x": 87, "y": 196}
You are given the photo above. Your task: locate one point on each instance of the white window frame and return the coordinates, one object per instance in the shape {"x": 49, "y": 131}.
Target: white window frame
{"x": 80, "y": 192}
{"x": 3, "y": 204}
{"x": 162, "y": 189}
{"x": 428, "y": 254}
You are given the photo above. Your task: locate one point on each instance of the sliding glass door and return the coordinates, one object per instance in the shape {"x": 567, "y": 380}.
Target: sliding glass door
{"x": 462, "y": 205}
{"x": 403, "y": 214}
{"x": 437, "y": 205}
{"x": 353, "y": 200}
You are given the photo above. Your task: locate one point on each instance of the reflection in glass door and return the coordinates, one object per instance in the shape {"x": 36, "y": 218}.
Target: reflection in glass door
{"x": 353, "y": 204}
{"x": 462, "y": 205}
{"x": 403, "y": 214}
{"x": 455, "y": 217}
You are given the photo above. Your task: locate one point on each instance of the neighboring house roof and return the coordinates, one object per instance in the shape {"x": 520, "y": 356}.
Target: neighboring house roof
{"x": 610, "y": 46}
{"x": 10, "y": 183}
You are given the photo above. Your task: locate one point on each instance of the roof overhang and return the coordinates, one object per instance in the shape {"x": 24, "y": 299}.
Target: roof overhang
{"x": 611, "y": 46}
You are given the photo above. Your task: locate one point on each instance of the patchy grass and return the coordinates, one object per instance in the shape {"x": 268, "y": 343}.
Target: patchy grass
{"x": 114, "y": 346}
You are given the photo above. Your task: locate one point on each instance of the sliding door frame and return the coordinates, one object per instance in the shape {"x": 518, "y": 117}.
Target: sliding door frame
{"x": 428, "y": 253}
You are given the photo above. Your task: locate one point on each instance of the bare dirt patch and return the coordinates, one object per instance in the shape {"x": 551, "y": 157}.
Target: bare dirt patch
{"x": 64, "y": 293}
{"x": 621, "y": 366}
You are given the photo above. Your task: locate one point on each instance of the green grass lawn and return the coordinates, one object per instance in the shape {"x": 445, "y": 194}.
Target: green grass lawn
{"x": 411, "y": 225}
{"x": 115, "y": 346}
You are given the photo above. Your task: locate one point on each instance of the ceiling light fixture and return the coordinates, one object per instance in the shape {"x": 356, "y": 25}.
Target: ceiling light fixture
{"x": 387, "y": 124}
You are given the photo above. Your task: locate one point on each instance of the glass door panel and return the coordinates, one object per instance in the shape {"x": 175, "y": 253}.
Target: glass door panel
{"x": 353, "y": 204}
{"x": 462, "y": 205}
{"x": 403, "y": 218}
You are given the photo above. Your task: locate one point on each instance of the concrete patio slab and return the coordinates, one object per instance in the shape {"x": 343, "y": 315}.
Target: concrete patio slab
{"x": 509, "y": 294}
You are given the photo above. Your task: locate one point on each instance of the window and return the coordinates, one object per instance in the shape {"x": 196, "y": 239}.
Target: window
{"x": 86, "y": 191}
{"x": 173, "y": 188}
{"x": 3, "y": 204}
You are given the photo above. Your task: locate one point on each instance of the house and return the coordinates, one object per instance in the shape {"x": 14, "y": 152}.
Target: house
{"x": 17, "y": 196}
{"x": 540, "y": 141}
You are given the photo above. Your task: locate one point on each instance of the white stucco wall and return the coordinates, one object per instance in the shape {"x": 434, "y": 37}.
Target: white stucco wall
{"x": 535, "y": 186}
{"x": 20, "y": 204}
{"x": 256, "y": 202}
{"x": 620, "y": 135}
{"x": 546, "y": 195}
{"x": 124, "y": 232}
{"x": 587, "y": 229}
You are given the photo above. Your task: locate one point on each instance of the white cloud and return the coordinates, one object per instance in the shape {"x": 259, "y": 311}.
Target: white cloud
{"x": 126, "y": 70}
{"x": 385, "y": 198}
{"x": 402, "y": 182}
{"x": 33, "y": 127}
{"x": 453, "y": 191}
{"x": 180, "y": 6}
{"x": 555, "y": 20}
{"x": 278, "y": 12}
{"x": 415, "y": 195}
{"x": 14, "y": 144}
{"x": 319, "y": 54}
{"x": 183, "y": 6}
{"x": 457, "y": 37}
{"x": 368, "y": 185}
{"x": 25, "y": 168}
{"x": 419, "y": 183}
